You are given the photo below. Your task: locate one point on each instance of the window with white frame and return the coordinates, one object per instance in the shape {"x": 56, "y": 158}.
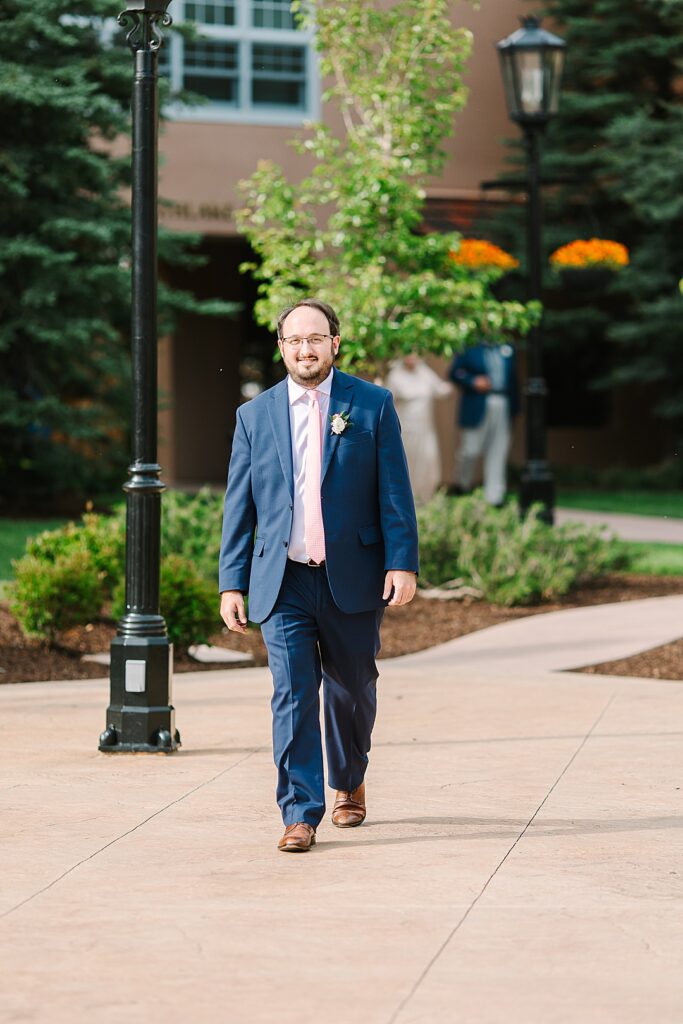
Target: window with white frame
{"x": 215, "y": 12}
{"x": 272, "y": 14}
{"x": 250, "y": 62}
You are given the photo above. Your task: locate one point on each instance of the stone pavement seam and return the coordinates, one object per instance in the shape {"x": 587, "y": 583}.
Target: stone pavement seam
{"x": 128, "y": 832}
{"x": 397, "y": 1012}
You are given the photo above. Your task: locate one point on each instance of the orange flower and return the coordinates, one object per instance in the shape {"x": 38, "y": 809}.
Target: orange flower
{"x": 589, "y": 253}
{"x": 478, "y": 254}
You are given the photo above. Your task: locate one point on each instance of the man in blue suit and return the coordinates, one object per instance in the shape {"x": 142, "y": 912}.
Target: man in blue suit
{"x": 319, "y": 527}
{"x": 486, "y": 375}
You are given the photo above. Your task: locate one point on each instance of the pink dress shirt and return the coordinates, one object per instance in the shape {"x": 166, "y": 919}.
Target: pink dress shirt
{"x": 298, "y": 422}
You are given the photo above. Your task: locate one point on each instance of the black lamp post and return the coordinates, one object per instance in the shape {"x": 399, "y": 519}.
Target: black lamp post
{"x": 531, "y": 62}
{"x": 140, "y": 716}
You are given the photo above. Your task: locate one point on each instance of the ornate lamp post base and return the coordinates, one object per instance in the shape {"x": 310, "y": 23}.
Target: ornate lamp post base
{"x": 140, "y": 717}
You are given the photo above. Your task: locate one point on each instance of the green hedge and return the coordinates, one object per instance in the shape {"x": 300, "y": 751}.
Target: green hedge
{"x": 510, "y": 561}
{"x": 102, "y": 538}
{"x": 49, "y": 596}
{"x": 190, "y": 527}
{"x": 94, "y": 549}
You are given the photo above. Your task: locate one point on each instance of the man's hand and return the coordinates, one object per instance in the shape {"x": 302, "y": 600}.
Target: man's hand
{"x": 482, "y": 383}
{"x": 403, "y": 584}
{"x": 232, "y": 611}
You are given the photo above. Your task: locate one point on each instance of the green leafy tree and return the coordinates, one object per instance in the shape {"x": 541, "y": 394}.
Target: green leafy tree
{"x": 65, "y": 248}
{"x": 615, "y": 149}
{"x": 350, "y": 231}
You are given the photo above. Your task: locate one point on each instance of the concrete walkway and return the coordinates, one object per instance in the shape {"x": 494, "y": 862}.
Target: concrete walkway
{"x": 521, "y": 862}
{"x": 558, "y": 641}
{"x": 649, "y": 529}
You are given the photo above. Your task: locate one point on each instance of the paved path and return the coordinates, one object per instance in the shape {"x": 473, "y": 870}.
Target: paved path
{"x": 651, "y": 529}
{"x": 558, "y": 641}
{"x": 521, "y": 862}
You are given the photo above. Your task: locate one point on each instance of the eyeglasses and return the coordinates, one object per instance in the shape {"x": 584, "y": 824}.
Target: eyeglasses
{"x": 312, "y": 339}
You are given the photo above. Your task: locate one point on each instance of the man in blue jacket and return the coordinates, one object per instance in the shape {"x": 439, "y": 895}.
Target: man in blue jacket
{"x": 486, "y": 375}
{"x": 319, "y": 527}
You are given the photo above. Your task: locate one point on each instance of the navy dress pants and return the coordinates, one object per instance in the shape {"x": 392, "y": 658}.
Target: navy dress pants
{"x": 310, "y": 639}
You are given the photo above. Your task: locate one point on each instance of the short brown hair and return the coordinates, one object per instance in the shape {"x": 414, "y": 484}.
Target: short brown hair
{"x": 332, "y": 318}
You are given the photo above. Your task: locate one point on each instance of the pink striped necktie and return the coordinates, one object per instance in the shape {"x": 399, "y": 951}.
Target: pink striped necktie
{"x": 313, "y": 512}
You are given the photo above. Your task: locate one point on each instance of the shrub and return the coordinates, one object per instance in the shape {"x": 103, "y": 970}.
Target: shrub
{"x": 103, "y": 537}
{"x": 51, "y": 595}
{"x": 191, "y": 527}
{"x": 511, "y": 561}
{"x": 188, "y": 602}
{"x": 190, "y": 541}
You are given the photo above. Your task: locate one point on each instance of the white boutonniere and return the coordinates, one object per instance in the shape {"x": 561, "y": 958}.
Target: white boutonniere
{"x": 506, "y": 350}
{"x": 339, "y": 421}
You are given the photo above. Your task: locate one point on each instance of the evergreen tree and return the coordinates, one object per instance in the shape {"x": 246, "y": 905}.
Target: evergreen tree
{"x": 65, "y": 248}
{"x": 618, "y": 139}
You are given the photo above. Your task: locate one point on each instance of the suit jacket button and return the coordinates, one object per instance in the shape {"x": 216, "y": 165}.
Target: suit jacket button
{"x": 285, "y": 543}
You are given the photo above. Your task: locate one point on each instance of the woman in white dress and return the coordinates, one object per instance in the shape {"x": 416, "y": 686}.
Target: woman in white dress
{"x": 415, "y": 386}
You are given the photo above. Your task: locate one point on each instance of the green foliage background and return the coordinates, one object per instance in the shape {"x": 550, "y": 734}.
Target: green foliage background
{"x": 65, "y": 250}
{"x": 616, "y": 147}
{"x": 77, "y": 572}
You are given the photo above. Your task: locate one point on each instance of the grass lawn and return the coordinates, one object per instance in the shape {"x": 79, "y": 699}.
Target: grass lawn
{"x": 642, "y": 503}
{"x": 13, "y": 536}
{"x": 658, "y": 559}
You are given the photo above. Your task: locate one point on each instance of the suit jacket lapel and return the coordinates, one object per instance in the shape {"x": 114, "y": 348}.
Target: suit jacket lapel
{"x": 341, "y": 399}
{"x": 278, "y": 410}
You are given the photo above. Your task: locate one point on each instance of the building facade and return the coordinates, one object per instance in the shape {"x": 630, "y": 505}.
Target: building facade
{"x": 259, "y": 78}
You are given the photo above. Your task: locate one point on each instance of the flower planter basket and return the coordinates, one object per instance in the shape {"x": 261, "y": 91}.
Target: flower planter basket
{"x": 587, "y": 264}
{"x": 478, "y": 254}
{"x": 510, "y": 287}
{"x": 586, "y": 279}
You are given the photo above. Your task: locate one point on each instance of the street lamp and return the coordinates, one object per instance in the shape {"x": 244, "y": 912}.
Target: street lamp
{"x": 140, "y": 717}
{"x": 531, "y": 62}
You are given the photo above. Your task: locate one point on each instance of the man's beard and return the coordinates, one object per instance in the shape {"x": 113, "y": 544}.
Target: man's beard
{"x": 310, "y": 374}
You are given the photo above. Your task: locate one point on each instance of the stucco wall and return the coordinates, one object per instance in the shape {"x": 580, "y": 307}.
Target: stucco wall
{"x": 203, "y": 162}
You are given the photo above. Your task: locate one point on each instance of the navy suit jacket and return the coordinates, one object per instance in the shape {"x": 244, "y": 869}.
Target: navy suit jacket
{"x": 367, "y": 501}
{"x": 470, "y": 364}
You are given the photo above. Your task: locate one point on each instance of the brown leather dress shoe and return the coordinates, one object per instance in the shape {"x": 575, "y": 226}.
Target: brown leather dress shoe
{"x": 297, "y": 838}
{"x": 349, "y": 808}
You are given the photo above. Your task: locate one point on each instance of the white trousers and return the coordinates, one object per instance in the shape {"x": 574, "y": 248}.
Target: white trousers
{"x": 492, "y": 440}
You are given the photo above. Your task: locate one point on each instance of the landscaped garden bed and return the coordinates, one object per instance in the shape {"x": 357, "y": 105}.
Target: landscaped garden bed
{"x": 423, "y": 623}
{"x": 665, "y": 662}
{"x": 69, "y": 585}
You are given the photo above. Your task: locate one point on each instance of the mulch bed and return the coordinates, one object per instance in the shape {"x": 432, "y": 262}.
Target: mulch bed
{"x": 665, "y": 662}
{"x": 423, "y": 623}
